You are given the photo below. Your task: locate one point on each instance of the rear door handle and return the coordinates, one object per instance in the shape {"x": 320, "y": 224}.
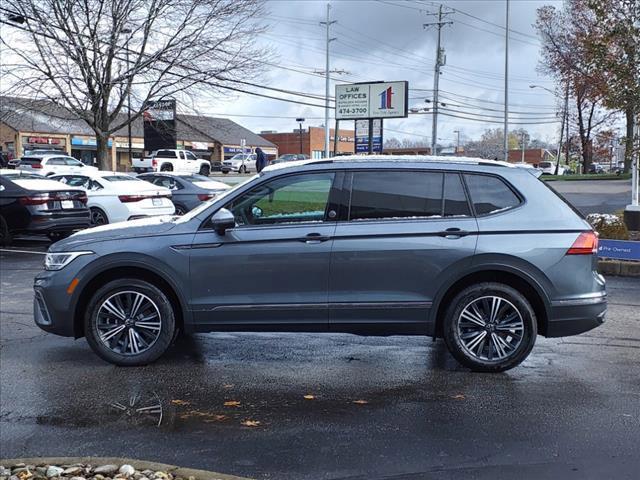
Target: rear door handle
{"x": 453, "y": 233}
{"x": 314, "y": 238}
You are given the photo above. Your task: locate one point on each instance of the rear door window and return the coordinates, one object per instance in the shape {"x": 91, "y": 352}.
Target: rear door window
{"x": 490, "y": 194}
{"x": 388, "y": 195}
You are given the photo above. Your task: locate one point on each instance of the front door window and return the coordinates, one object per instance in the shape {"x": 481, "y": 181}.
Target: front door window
{"x": 292, "y": 199}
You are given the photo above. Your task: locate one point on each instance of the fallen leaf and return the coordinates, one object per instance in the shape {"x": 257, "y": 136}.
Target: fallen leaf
{"x": 228, "y": 385}
{"x": 215, "y": 418}
{"x": 309, "y": 397}
{"x": 177, "y": 401}
{"x": 458, "y": 397}
{"x": 250, "y": 423}
{"x": 232, "y": 403}
{"x": 360, "y": 402}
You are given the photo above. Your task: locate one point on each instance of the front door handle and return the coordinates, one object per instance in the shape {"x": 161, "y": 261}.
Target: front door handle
{"x": 314, "y": 238}
{"x": 453, "y": 233}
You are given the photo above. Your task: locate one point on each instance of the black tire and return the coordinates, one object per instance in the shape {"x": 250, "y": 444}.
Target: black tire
{"x": 180, "y": 210}
{"x": 225, "y": 171}
{"x": 513, "y": 310}
{"x": 98, "y": 217}
{"x": 166, "y": 167}
{"x": 5, "y": 234}
{"x": 205, "y": 170}
{"x": 118, "y": 353}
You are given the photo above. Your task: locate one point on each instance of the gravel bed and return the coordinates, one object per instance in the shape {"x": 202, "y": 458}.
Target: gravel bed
{"x": 82, "y": 471}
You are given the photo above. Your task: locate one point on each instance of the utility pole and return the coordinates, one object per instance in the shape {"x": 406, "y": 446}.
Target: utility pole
{"x": 506, "y": 88}
{"x": 523, "y": 145}
{"x": 328, "y": 24}
{"x": 457, "y": 141}
{"x": 440, "y": 61}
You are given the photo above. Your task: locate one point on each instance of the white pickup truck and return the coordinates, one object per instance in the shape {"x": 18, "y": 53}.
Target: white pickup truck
{"x": 172, "y": 161}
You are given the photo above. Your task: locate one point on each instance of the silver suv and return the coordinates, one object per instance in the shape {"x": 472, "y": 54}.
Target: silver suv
{"x": 482, "y": 254}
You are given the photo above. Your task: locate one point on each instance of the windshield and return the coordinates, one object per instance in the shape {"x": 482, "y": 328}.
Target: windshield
{"x": 545, "y": 164}
{"x": 121, "y": 178}
{"x": 196, "y": 178}
{"x": 241, "y": 156}
{"x": 203, "y": 206}
{"x": 21, "y": 174}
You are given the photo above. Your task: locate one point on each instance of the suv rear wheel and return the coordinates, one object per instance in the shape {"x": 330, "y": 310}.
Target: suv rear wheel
{"x": 490, "y": 327}
{"x": 129, "y": 322}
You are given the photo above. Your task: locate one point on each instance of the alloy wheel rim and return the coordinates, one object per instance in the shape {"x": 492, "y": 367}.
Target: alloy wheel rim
{"x": 128, "y": 323}
{"x": 490, "y": 328}
{"x": 98, "y": 218}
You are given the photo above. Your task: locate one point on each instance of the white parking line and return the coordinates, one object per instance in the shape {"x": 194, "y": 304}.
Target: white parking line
{"x": 21, "y": 251}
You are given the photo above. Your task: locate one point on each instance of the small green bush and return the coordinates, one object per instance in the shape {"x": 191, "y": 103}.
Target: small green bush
{"x": 608, "y": 226}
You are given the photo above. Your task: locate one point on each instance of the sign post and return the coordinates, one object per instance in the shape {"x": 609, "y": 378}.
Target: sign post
{"x": 159, "y": 119}
{"x": 368, "y": 104}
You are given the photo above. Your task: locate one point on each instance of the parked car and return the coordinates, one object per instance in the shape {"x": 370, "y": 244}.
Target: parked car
{"x": 33, "y": 204}
{"x": 291, "y": 157}
{"x": 117, "y": 197}
{"x": 52, "y": 164}
{"x": 240, "y": 163}
{"x": 168, "y": 160}
{"x": 485, "y": 255}
{"x": 596, "y": 168}
{"x": 549, "y": 168}
{"x": 188, "y": 189}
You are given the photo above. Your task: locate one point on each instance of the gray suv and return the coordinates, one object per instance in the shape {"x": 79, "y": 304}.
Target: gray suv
{"x": 482, "y": 254}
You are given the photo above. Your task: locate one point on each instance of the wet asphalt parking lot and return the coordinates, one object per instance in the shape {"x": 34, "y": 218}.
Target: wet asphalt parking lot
{"x": 398, "y": 408}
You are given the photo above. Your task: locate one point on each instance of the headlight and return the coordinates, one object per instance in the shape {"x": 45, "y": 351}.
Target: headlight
{"x": 59, "y": 260}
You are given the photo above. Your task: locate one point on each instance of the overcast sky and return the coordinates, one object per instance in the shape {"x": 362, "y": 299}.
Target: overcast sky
{"x": 385, "y": 40}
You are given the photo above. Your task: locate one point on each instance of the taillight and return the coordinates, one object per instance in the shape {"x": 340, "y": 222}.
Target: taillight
{"x": 154, "y": 163}
{"x": 137, "y": 198}
{"x": 37, "y": 199}
{"x": 203, "y": 197}
{"x": 585, "y": 244}
{"x": 36, "y": 165}
{"x": 82, "y": 198}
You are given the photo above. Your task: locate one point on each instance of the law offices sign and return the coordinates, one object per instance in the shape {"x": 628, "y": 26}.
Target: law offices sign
{"x": 372, "y": 100}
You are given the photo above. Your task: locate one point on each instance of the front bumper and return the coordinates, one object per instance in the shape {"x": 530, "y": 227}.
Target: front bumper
{"x": 53, "y": 304}
{"x": 575, "y": 316}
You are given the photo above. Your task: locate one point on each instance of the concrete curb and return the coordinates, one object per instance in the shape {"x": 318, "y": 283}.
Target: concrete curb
{"x": 137, "y": 464}
{"x": 619, "y": 268}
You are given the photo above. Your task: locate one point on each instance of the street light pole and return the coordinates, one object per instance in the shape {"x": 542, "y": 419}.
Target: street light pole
{"x": 565, "y": 116}
{"x": 457, "y": 141}
{"x": 300, "y": 120}
{"x": 128, "y": 32}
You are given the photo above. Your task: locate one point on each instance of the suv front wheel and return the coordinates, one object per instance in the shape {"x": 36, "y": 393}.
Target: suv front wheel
{"x": 129, "y": 322}
{"x": 490, "y": 327}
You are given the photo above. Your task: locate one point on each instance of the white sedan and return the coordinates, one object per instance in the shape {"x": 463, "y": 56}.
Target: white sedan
{"x": 117, "y": 197}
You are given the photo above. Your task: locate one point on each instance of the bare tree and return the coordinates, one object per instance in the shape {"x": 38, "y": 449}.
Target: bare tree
{"x": 89, "y": 56}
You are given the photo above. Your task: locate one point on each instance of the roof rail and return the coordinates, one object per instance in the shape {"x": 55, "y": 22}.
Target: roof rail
{"x": 414, "y": 159}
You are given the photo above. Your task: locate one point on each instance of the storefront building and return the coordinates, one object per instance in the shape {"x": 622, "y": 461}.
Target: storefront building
{"x": 29, "y": 126}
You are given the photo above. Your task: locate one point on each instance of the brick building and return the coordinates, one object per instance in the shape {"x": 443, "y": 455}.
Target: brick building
{"x": 310, "y": 141}
{"x": 531, "y": 155}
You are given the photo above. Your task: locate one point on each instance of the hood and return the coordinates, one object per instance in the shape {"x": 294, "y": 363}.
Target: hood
{"x": 143, "y": 227}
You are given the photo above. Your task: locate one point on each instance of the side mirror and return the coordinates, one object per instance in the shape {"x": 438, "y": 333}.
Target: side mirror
{"x": 223, "y": 220}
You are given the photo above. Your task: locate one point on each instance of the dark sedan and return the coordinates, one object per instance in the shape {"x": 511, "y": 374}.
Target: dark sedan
{"x": 30, "y": 203}
{"x": 188, "y": 190}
